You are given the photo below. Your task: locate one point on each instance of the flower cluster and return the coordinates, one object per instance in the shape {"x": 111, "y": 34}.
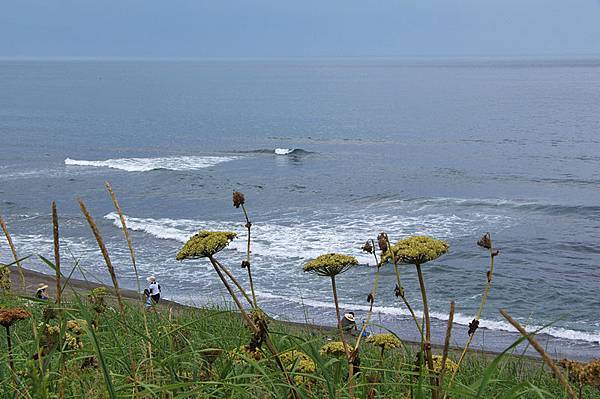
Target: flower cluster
{"x": 205, "y": 244}
{"x": 330, "y": 264}
{"x": 297, "y": 360}
{"x": 241, "y": 354}
{"x": 334, "y": 348}
{"x": 10, "y": 316}
{"x": 451, "y": 366}
{"x": 583, "y": 373}
{"x": 77, "y": 326}
{"x": 416, "y": 250}
{"x": 384, "y": 341}
{"x": 97, "y": 299}
{"x": 5, "y": 282}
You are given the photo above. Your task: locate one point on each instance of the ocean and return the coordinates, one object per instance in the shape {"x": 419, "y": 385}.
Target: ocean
{"x": 328, "y": 153}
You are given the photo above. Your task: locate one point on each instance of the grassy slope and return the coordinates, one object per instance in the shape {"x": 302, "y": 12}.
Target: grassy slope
{"x": 182, "y": 340}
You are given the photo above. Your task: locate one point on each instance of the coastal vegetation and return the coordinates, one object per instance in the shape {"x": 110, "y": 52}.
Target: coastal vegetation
{"x": 101, "y": 344}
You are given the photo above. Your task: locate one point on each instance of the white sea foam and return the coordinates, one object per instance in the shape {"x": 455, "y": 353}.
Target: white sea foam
{"x": 290, "y": 238}
{"x": 283, "y": 151}
{"x": 558, "y": 332}
{"x": 148, "y": 164}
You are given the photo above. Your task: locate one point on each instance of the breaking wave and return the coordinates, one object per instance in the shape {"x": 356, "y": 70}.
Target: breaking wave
{"x": 148, "y": 164}
{"x": 557, "y": 332}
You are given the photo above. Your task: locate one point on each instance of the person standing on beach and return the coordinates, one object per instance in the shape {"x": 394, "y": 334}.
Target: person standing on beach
{"x": 153, "y": 291}
{"x": 349, "y": 323}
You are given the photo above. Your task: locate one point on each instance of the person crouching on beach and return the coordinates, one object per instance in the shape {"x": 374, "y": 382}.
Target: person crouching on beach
{"x": 152, "y": 292}
{"x": 41, "y": 292}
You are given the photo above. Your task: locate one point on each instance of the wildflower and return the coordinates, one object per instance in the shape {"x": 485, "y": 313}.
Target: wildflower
{"x": 382, "y": 241}
{"x": 298, "y": 361}
{"x": 384, "y": 341}
{"x": 238, "y": 199}
{"x": 97, "y": 299}
{"x": 368, "y": 247}
{"x": 334, "y": 348}
{"x": 205, "y": 244}
{"x": 450, "y": 366}
{"x": 243, "y": 353}
{"x": 5, "y": 282}
{"x": 77, "y": 326}
{"x": 416, "y": 250}
{"x": 330, "y": 264}
{"x": 73, "y": 342}
{"x": 10, "y": 316}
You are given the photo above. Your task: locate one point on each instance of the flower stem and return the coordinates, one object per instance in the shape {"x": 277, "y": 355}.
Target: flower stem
{"x": 234, "y": 280}
{"x": 339, "y": 323}
{"x": 479, "y": 312}
{"x": 9, "y": 345}
{"x": 426, "y": 344}
{"x": 251, "y": 325}
{"x": 249, "y": 226}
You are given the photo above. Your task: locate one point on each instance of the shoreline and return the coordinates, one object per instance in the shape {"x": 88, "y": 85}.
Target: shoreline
{"x": 33, "y": 278}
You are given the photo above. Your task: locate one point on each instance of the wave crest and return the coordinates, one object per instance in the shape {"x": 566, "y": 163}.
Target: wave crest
{"x": 148, "y": 164}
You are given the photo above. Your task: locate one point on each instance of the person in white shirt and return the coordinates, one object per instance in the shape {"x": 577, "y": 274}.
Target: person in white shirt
{"x": 152, "y": 292}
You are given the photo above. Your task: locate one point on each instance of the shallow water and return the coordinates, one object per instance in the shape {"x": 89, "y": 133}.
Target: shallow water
{"x": 452, "y": 149}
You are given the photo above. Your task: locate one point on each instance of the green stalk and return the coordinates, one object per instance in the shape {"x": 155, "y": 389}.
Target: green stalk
{"x": 252, "y": 326}
{"x": 399, "y": 284}
{"x": 234, "y": 280}
{"x": 339, "y": 323}
{"x": 373, "y": 293}
{"x": 249, "y": 226}
{"x": 426, "y": 344}
{"x": 479, "y": 312}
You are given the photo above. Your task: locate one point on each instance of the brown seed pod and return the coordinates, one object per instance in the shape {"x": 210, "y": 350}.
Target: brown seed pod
{"x": 238, "y": 199}
{"x": 368, "y": 247}
{"x": 382, "y": 241}
{"x": 473, "y": 326}
{"x": 485, "y": 241}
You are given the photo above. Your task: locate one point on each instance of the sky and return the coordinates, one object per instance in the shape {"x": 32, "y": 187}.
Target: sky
{"x": 300, "y": 28}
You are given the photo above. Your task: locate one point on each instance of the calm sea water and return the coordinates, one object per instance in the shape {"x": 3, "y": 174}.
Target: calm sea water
{"x": 451, "y": 149}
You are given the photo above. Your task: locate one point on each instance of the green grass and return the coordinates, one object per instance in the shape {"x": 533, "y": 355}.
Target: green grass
{"x": 181, "y": 366}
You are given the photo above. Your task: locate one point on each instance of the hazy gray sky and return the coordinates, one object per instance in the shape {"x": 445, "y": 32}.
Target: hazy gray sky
{"x": 281, "y": 28}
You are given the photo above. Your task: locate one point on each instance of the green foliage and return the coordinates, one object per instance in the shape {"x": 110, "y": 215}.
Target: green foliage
{"x": 189, "y": 360}
{"x": 330, "y": 264}
{"x": 416, "y": 250}
{"x": 205, "y": 244}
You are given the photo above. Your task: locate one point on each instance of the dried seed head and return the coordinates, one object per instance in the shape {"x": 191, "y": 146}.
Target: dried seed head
{"x": 370, "y": 298}
{"x": 238, "y": 199}
{"x": 473, "y": 326}
{"x": 485, "y": 241}
{"x": 382, "y": 241}
{"x": 368, "y": 247}
{"x": 11, "y": 315}
{"x": 399, "y": 291}
{"x": 245, "y": 264}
